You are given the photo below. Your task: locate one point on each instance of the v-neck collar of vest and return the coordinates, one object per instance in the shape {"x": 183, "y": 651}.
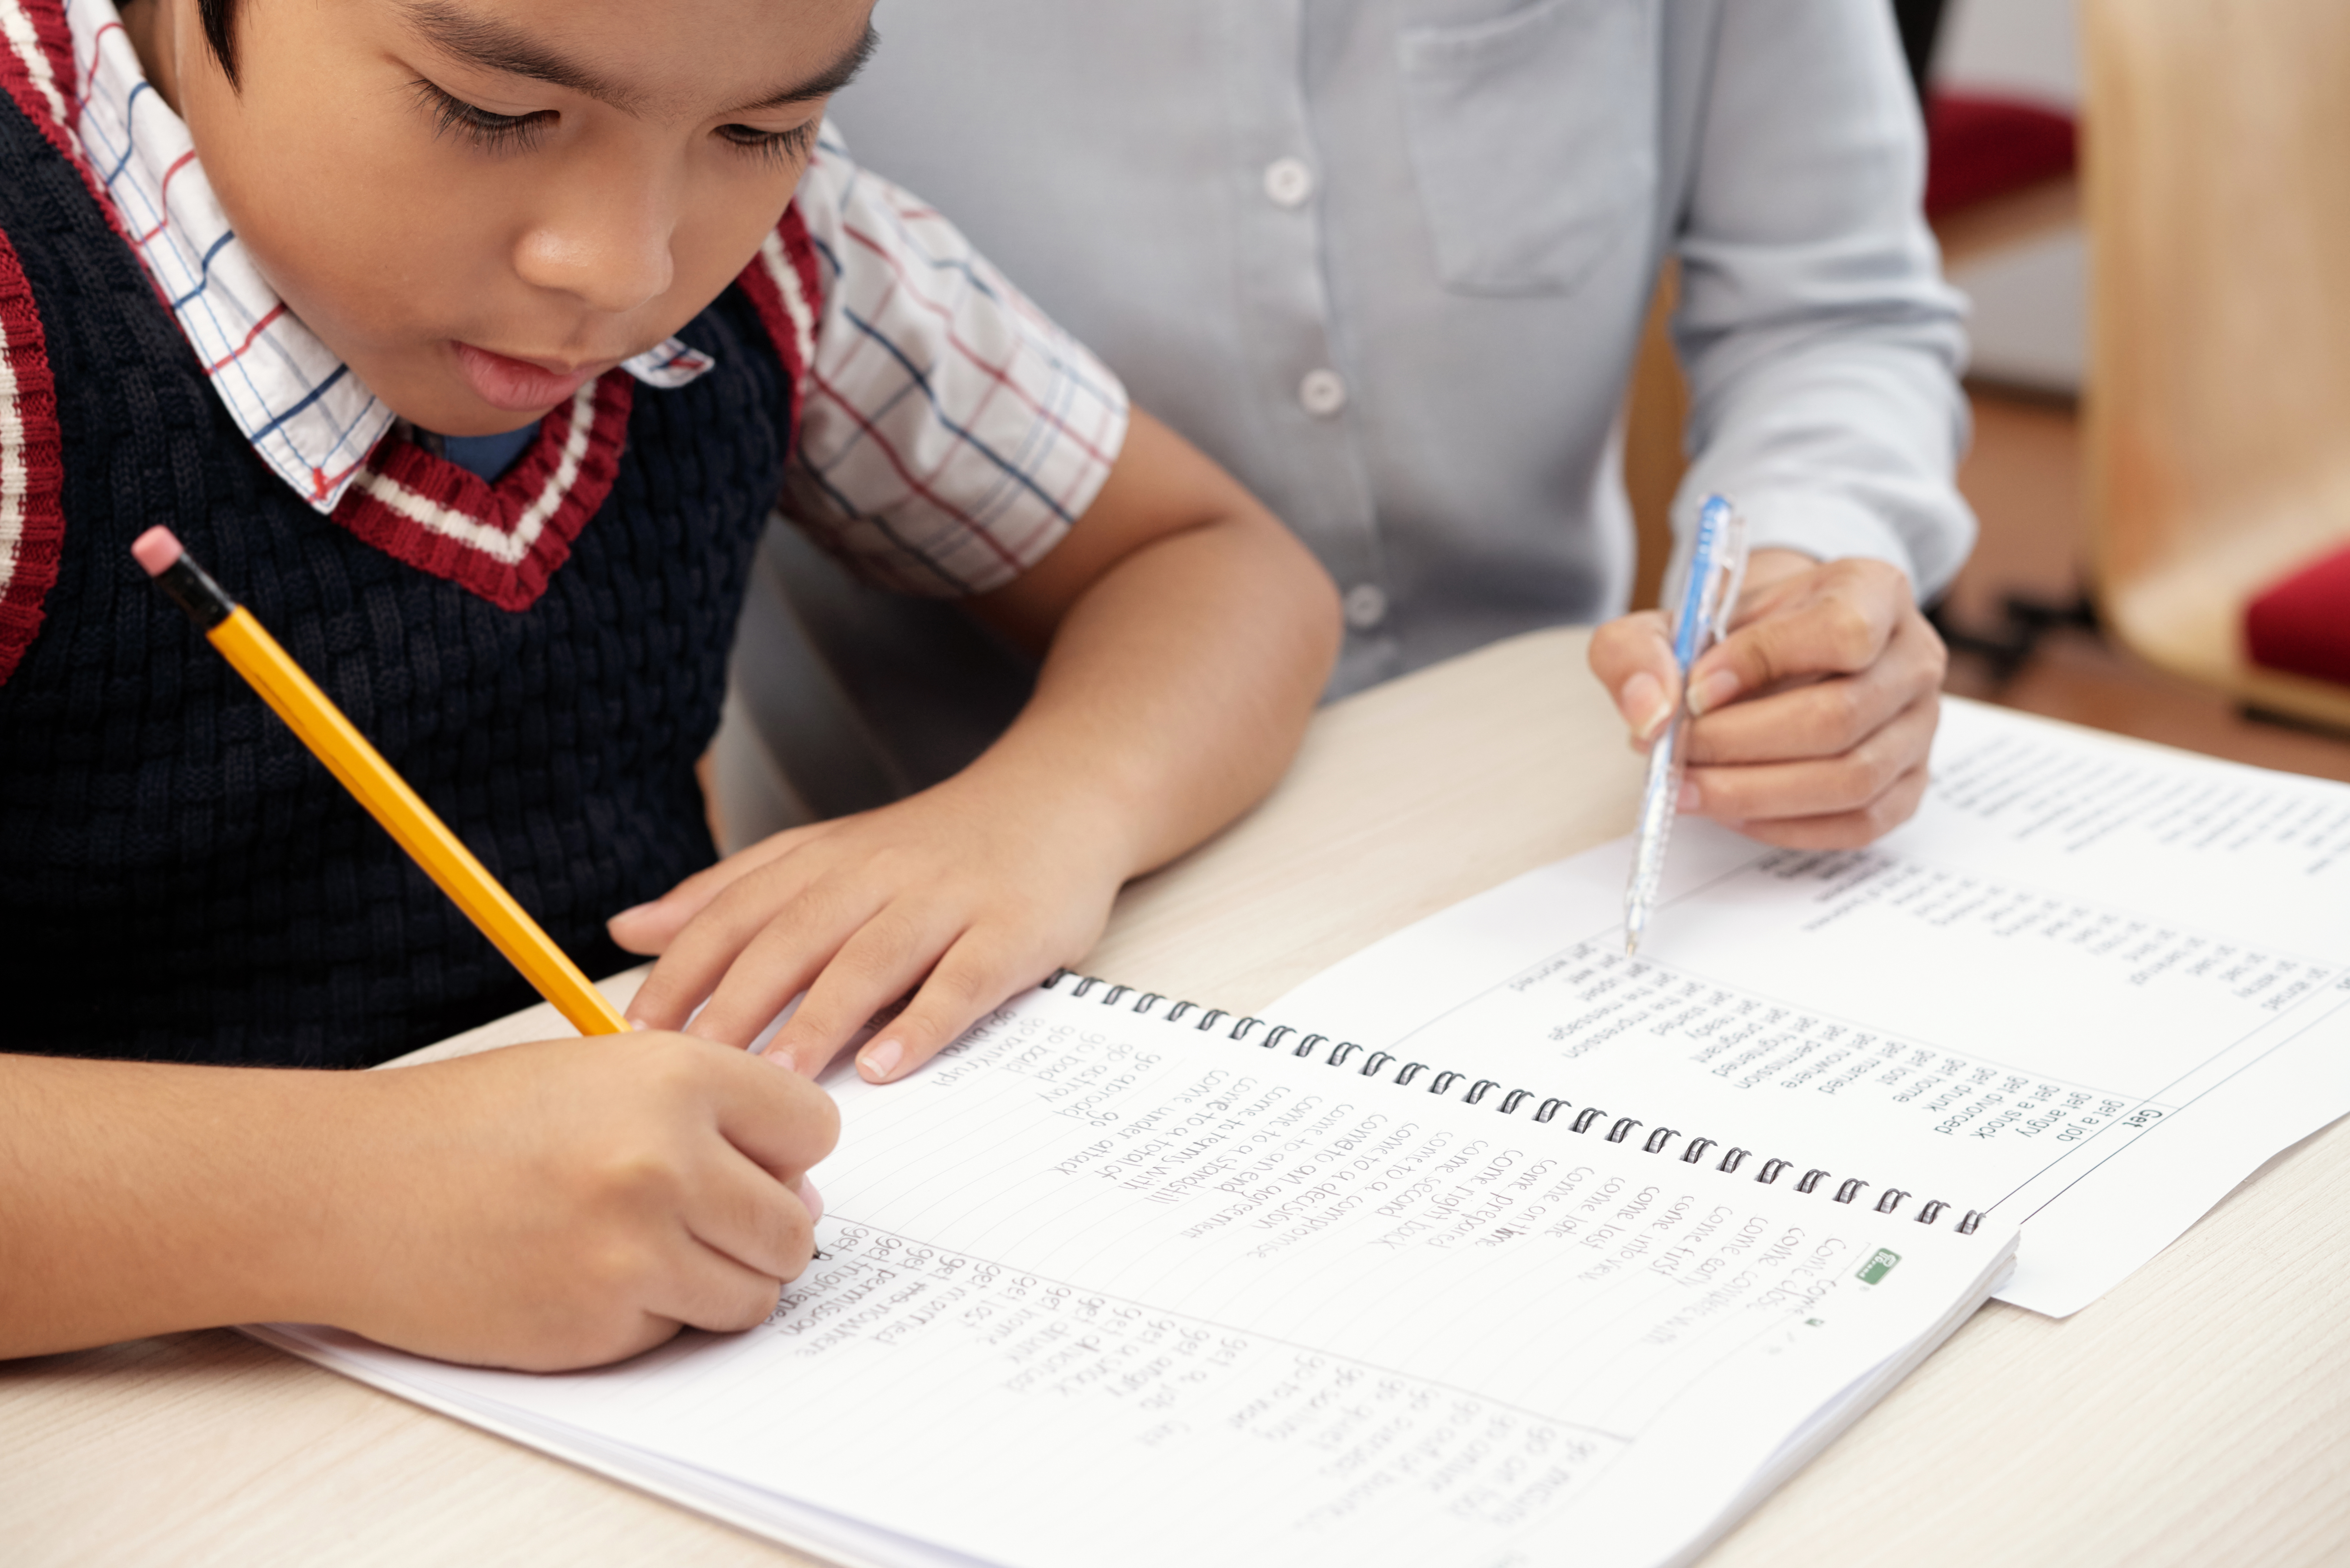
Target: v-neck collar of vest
{"x": 502, "y": 540}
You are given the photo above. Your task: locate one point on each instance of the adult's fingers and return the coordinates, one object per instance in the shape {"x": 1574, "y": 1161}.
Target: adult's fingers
{"x": 1838, "y": 628}
{"x": 650, "y": 928}
{"x": 977, "y": 973}
{"x": 1754, "y": 793}
{"x": 1847, "y": 829}
{"x": 1633, "y": 658}
{"x": 874, "y": 967}
{"x": 1824, "y": 718}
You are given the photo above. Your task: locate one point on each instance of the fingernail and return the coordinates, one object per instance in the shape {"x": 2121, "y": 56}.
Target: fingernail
{"x": 1712, "y": 691}
{"x": 880, "y": 1060}
{"x": 1644, "y": 695}
{"x": 1690, "y": 794}
{"x": 812, "y": 1197}
{"x": 635, "y": 909}
{"x": 785, "y": 1059}
{"x": 633, "y": 1022}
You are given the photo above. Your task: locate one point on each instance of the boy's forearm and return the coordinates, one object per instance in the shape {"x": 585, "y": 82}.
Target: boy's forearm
{"x": 1176, "y": 688}
{"x": 141, "y": 1197}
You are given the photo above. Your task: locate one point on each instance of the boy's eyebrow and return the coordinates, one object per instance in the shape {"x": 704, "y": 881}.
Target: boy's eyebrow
{"x": 824, "y": 83}
{"x": 493, "y": 45}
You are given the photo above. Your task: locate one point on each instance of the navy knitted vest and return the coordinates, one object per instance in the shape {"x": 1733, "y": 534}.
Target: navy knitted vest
{"x": 179, "y": 877}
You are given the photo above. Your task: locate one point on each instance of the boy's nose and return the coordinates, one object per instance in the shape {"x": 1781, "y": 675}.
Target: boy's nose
{"x": 612, "y": 256}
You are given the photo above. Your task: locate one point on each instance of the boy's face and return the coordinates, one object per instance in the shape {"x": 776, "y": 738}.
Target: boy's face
{"x": 481, "y": 205}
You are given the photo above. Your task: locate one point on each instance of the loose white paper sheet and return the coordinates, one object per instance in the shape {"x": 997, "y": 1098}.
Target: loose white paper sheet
{"x": 2089, "y": 989}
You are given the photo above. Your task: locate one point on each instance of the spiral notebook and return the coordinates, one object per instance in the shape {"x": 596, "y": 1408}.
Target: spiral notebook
{"x": 1120, "y": 1279}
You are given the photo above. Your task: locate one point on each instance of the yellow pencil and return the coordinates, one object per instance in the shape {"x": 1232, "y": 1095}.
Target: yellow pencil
{"x": 335, "y": 742}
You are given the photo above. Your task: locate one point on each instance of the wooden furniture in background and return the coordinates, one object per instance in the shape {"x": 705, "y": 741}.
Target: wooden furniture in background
{"x": 1656, "y": 411}
{"x": 2219, "y": 392}
{"x": 2019, "y": 217}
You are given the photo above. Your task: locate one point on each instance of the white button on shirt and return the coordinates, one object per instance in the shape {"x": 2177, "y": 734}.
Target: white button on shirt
{"x": 1288, "y": 182}
{"x": 1489, "y": 188}
{"x": 1365, "y": 606}
{"x": 1322, "y": 393}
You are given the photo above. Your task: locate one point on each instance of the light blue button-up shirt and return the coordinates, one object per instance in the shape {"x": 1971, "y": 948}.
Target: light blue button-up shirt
{"x": 1387, "y": 261}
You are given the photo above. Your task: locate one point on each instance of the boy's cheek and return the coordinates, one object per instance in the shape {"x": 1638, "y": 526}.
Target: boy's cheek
{"x": 334, "y": 204}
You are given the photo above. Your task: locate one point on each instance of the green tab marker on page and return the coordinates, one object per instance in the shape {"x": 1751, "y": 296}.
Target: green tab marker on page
{"x": 1877, "y": 1267}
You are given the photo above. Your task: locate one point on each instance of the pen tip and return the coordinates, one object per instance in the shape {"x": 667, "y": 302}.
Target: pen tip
{"x": 158, "y": 550}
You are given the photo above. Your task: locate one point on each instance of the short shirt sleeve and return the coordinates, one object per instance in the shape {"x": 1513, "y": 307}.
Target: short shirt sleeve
{"x": 949, "y": 433}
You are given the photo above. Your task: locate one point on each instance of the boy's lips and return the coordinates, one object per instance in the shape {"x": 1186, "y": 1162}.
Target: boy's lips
{"x": 525, "y": 385}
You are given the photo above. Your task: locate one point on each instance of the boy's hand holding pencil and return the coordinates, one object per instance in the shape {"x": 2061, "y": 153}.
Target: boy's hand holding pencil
{"x": 573, "y": 1202}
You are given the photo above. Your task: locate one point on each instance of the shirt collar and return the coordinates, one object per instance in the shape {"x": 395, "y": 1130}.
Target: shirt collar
{"x": 307, "y": 416}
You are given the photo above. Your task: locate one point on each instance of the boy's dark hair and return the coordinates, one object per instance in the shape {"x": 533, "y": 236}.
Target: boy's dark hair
{"x": 219, "y": 31}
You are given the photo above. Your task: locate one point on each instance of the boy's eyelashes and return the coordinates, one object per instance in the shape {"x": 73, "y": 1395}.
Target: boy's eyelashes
{"x": 774, "y": 146}
{"x": 494, "y": 132}
{"x": 491, "y": 132}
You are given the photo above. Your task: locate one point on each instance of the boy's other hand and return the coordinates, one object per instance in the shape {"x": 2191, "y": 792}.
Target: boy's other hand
{"x": 574, "y": 1202}
{"x": 969, "y": 891}
{"x": 1814, "y": 716}
{"x": 1185, "y": 635}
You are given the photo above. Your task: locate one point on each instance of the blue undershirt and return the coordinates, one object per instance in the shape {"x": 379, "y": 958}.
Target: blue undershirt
{"x": 488, "y": 456}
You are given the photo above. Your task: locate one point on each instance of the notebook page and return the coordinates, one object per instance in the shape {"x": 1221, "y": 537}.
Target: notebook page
{"x": 1101, "y": 1287}
{"x": 2091, "y": 987}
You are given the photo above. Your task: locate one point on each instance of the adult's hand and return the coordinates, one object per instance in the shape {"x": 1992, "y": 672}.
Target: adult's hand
{"x": 1814, "y": 716}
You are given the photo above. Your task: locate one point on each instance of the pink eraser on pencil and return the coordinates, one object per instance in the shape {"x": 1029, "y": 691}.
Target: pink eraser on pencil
{"x": 157, "y": 549}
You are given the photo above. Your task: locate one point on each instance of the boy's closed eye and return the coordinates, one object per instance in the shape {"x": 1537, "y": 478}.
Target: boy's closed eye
{"x": 495, "y": 132}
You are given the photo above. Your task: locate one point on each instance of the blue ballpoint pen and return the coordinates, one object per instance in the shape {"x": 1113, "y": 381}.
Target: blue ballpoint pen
{"x": 1704, "y": 594}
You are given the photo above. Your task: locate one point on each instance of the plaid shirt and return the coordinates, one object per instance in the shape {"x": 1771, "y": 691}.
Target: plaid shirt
{"x": 947, "y": 438}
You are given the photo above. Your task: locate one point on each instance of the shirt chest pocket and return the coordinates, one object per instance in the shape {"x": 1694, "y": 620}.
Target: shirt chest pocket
{"x": 1532, "y": 133}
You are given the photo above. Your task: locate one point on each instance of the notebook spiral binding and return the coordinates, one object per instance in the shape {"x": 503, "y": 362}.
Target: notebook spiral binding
{"x": 1694, "y": 1150}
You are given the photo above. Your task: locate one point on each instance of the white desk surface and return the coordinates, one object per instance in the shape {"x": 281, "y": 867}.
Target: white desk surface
{"x": 2199, "y": 1414}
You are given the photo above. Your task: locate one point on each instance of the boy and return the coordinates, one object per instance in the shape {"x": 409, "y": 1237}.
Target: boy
{"x": 466, "y": 341}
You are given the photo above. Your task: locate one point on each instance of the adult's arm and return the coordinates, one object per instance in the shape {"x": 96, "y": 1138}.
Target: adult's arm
{"x": 1823, "y": 351}
{"x": 1821, "y": 345}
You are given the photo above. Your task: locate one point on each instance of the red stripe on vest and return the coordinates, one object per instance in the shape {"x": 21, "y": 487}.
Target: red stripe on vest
{"x": 31, "y": 467}
{"x": 767, "y": 300}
